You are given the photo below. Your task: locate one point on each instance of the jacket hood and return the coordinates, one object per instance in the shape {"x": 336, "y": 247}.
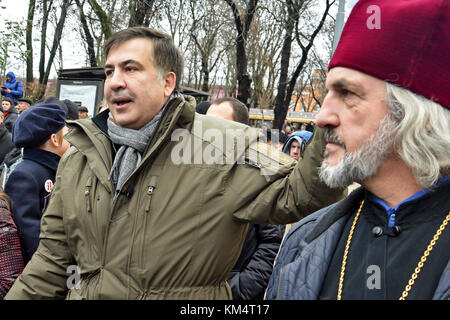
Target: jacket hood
{"x": 299, "y": 136}
{"x": 12, "y": 76}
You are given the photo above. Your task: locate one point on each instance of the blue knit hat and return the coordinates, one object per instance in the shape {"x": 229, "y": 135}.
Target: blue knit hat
{"x": 35, "y": 125}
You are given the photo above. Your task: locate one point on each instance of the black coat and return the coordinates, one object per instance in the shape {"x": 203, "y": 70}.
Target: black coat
{"x": 250, "y": 275}
{"x": 11, "y": 118}
{"x": 28, "y": 188}
{"x": 6, "y": 144}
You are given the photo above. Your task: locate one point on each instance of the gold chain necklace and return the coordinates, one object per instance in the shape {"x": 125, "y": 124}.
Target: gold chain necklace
{"x": 416, "y": 271}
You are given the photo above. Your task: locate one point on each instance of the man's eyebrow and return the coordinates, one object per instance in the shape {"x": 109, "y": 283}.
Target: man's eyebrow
{"x": 344, "y": 84}
{"x": 124, "y": 63}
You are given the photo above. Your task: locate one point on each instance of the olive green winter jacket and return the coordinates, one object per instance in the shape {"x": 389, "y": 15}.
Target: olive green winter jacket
{"x": 176, "y": 229}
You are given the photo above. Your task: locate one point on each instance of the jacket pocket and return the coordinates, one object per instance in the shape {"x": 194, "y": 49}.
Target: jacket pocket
{"x": 90, "y": 220}
{"x": 46, "y": 201}
{"x": 150, "y": 189}
{"x": 88, "y": 286}
{"x": 87, "y": 195}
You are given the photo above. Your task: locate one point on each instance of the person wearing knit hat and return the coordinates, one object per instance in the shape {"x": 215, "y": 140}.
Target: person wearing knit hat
{"x": 387, "y": 123}
{"x": 69, "y": 107}
{"x": 72, "y": 113}
{"x": 40, "y": 132}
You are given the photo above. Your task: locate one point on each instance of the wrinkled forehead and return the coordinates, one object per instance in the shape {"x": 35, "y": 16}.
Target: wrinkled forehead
{"x": 341, "y": 78}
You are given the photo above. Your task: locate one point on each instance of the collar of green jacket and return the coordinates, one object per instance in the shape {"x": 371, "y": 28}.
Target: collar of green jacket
{"x": 86, "y": 134}
{"x": 178, "y": 113}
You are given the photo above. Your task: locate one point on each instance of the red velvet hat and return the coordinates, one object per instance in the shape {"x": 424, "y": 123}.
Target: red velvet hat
{"x": 404, "y": 42}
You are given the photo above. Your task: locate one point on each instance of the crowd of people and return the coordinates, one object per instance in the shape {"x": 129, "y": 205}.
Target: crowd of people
{"x": 124, "y": 198}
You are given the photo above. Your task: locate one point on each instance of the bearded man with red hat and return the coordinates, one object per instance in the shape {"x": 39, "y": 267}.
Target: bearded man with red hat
{"x": 388, "y": 128}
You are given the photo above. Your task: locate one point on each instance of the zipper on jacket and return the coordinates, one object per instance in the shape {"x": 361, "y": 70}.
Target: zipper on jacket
{"x": 148, "y": 200}
{"x": 87, "y": 194}
{"x": 150, "y": 190}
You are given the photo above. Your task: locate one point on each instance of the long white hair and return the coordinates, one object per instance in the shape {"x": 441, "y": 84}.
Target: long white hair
{"x": 423, "y": 134}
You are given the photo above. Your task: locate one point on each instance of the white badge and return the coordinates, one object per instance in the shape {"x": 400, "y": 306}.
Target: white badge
{"x": 48, "y": 185}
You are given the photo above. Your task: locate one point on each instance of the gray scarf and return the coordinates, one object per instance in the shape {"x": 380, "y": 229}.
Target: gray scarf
{"x": 133, "y": 144}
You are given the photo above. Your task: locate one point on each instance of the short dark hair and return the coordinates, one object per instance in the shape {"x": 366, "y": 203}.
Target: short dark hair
{"x": 166, "y": 56}
{"x": 202, "y": 107}
{"x": 11, "y": 101}
{"x": 240, "y": 111}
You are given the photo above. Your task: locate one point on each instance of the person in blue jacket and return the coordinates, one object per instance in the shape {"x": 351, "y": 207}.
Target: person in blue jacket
{"x": 40, "y": 132}
{"x": 12, "y": 88}
{"x": 296, "y": 143}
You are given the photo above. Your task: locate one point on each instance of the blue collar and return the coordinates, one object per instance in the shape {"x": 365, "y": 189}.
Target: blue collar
{"x": 391, "y": 211}
{"x": 45, "y": 158}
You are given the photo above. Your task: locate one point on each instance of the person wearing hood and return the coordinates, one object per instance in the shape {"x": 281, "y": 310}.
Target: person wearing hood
{"x": 296, "y": 144}
{"x": 12, "y": 88}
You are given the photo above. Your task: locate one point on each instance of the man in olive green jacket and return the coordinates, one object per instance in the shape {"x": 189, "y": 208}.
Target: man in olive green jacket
{"x": 137, "y": 207}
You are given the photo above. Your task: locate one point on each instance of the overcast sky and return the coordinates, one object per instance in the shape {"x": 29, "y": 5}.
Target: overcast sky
{"x": 73, "y": 56}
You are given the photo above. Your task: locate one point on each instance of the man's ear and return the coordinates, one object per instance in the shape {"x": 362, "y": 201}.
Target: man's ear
{"x": 54, "y": 140}
{"x": 169, "y": 81}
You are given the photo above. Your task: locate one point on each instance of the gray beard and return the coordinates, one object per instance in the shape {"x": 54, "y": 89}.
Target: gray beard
{"x": 363, "y": 163}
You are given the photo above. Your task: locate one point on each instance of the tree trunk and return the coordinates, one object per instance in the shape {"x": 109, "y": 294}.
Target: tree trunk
{"x": 280, "y": 109}
{"x": 87, "y": 33}
{"x": 205, "y": 71}
{"x": 105, "y": 22}
{"x": 56, "y": 40}
{"x": 281, "y": 106}
{"x": 243, "y": 77}
{"x": 305, "y": 52}
{"x": 139, "y": 11}
{"x": 29, "y": 41}
{"x": 46, "y": 5}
